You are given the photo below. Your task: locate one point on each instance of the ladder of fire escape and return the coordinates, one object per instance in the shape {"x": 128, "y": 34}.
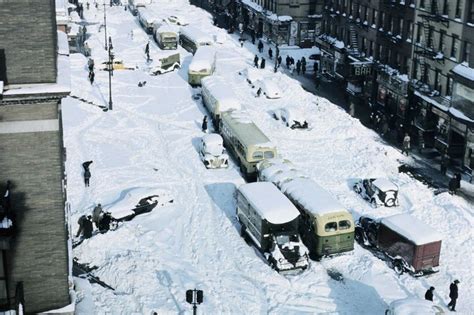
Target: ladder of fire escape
{"x": 353, "y": 38}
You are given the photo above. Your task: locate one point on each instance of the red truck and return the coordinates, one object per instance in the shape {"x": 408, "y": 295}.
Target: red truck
{"x": 407, "y": 243}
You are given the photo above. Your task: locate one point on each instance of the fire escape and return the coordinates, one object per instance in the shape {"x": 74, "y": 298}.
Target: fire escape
{"x": 425, "y": 50}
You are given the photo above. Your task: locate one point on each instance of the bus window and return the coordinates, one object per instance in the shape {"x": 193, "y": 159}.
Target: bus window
{"x": 344, "y": 225}
{"x": 257, "y": 155}
{"x": 330, "y": 227}
{"x": 268, "y": 155}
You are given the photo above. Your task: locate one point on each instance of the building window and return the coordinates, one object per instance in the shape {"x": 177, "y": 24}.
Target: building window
{"x": 441, "y": 45}
{"x": 374, "y": 17}
{"x": 445, "y": 7}
{"x": 458, "y": 9}
{"x": 409, "y": 30}
{"x": 381, "y": 20}
{"x": 467, "y": 52}
{"x": 3, "y": 280}
{"x": 422, "y": 4}
{"x": 455, "y": 47}
{"x": 470, "y": 15}
{"x": 400, "y": 26}
{"x": 430, "y": 38}
{"x": 449, "y": 86}
{"x": 419, "y": 32}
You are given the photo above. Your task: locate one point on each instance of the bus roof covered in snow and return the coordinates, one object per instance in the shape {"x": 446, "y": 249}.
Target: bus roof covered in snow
{"x": 411, "y": 228}
{"x": 248, "y": 133}
{"x": 269, "y": 202}
{"x": 203, "y": 59}
{"x": 220, "y": 91}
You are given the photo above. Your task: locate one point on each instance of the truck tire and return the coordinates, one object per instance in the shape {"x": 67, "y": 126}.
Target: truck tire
{"x": 357, "y": 189}
{"x": 373, "y": 203}
{"x": 359, "y": 236}
{"x": 398, "y": 266}
{"x": 390, "y": 202}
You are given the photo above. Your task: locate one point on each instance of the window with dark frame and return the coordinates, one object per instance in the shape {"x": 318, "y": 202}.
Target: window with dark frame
{"x": 458, "y": 9}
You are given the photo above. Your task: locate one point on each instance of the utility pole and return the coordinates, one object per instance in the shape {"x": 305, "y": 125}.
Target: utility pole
{"x": 194, "y": 297}
{"x": 105, "y": 26}
{"x": 111, "y": 71}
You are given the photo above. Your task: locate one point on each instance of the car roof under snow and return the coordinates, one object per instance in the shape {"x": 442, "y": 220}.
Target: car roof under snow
{"x": 269, "y": 202}
{"x": 384, "y": 184}
{"x": 213, "y": 138}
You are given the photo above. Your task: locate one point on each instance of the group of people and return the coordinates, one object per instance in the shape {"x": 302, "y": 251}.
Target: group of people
{"x": 453, "y": 294}
{"x": 300, "y": 66}
{"x": 99, "y": 218}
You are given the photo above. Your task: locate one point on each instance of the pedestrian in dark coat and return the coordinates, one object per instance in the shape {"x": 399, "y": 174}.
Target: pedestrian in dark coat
{"x": 260, "y": 46}
{"x": 259, "y": 92}
{"x": 91, "y": 76}
{"x": 452, "y": 185}
{"x": 277, "y": 51}
{"x": 458, "y": 177}
{"x": 298, "y": 67}
{"x": 303, "y": 61}
{"x": 90, "y": 64}
{"x": 255, "y": 61}
{"x": 85, "y": 226}
{"x": 279, "y": 61}
{"x": 204, "y": 124}
{"x": 270, "y": 53}
{"x": 453, "y": 294}
{"x": 97, "y": 214}
{"x": 262, "y": 63}
{"x": 87, "y": 172}
{"x": 292, "y": 60}
{"x": 429, "y": 294}
{"x": 303, "y": 68}
{"x": 252, "y": 34}
{"x": 288, "y": 62}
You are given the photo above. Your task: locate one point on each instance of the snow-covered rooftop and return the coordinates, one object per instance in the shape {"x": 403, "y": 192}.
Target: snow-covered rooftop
{"x": 465, "y": 71}
{"x": 203, "y": 59}
{"x": 311, "y": 196}
{"x": 267, "y": 200}
{"x": 411, "y": 228}
{"x": 220, "y": 91}
{"x": 196, "y": 35}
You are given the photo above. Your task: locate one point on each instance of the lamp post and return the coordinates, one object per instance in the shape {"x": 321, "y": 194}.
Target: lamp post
{"x": 105, "y": 26}
{"x": 111, "y": 71}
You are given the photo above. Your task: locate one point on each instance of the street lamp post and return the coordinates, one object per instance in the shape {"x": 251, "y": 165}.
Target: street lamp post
{"x": 105, "y": 27}
{"x": 111, "y": 71}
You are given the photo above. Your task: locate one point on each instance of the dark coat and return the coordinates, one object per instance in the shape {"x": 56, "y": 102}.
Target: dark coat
{"x": 204, "y": 124}
{"x": 87, "y": 174}
{"x": 262, "y": 64}
{"x": 453, "y": 184}
{"x": 87, "y": 228}
{"x": 429, "y": 295}
{"x": 453, "y": 290}
{"x": 255, "y": 61}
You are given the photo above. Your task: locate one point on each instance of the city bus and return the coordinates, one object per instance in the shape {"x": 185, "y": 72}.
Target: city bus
{"x": 248, "y": 144}
{"x": 191, "y": 38}
{"x": 202, "y": 65}
{"x": 165, "y": 36}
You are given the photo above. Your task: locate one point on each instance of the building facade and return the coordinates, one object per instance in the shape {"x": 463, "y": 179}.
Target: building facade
{"x": 34, "y": 77}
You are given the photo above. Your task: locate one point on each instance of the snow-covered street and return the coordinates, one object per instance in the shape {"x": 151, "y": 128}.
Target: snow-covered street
{"x": 148, "y": 144}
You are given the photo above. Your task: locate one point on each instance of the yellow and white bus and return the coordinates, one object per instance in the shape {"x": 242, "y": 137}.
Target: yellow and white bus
{"x": 165, "y": 36}
{"x": 191, "y": 38}
{"x": 202, "y": 65}
{"x": 245, "y": 141}
{"x": 217, "y": 97}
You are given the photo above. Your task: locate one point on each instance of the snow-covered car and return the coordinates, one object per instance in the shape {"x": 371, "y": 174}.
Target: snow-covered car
{"x": 414, "y": 306}
{"x": 251, "y": 75}
{"x": 178, "y": 20}
{"x": 212, "y": 151}
{"x": 378, "y": 191}
{"x": 291, "y": 117}
{"x": 269, "y": 88}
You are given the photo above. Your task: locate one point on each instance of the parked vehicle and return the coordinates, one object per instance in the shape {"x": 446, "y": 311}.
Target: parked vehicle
{"x": 251, "y": 75}
{"x": 269, "y": 168}
{"x": 269, "y": 88}
{"x": 212, "y": 152}
{"x": 202, "y": 65}
{"x": 326, "y": 228}
{"x": 291, "y": 117}
{"x": 378, "y": 191}
{"x": 406, "y": 242}
{"x": 166, "y": 63}
{"x": 191, "y": 38}
{"x": 270, "y": 221}
{"x": 217, "y": 97}
{"x": 146, "y": 19}
{"x": 165, "y": 36}
{"x": 133, "y": 5}
{"x": 178, "y": 20}
{"x": 245, "y": 141}
{"x": 414, "y": 306}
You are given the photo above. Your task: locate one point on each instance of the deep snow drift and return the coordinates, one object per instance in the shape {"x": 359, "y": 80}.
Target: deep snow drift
{"x": 148, "y": 145}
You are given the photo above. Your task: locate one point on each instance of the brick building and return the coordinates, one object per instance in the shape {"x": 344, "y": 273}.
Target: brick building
{"x": 34, "y": 77}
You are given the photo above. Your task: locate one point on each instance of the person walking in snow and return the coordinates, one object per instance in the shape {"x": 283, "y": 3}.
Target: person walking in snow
{"x": 90, "y": 64}
{"x": 259, "y": 92}
{"x": 255, "y": 61}
{"x": 279, "y": 61}
{"x": 147, "y": 51}
{"x": 453, "y": 294}
{"x": 97, "y": 214}
{"x": 298, "y": 67}
{"x": 452, "y": 185}
{"x": 277, "y": 51}
{"x": 406, "y": 144}
{"x": 204, "y": 124}
{"x": 260, "y": 46}
{"x": 87, "y": 172}
{"x": 91, "y": 76}
{"x": 303, "y": 68}
{"x": 429, "y": 294}
{"x": 288, "y": 62}
{"x": 270, "y": 53}
{"x": 252, "y": 34}
{"x": 241, "y": 40}
{"x": 85, "y": 227}
{"x": 262, "y": 63}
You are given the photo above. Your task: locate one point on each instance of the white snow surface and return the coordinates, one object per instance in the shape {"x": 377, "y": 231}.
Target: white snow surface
{"x": 464, "y": 70}
{"x": 221, "y": 92}
{"x": 203, "y": 59}
{"x": 384, "y": 184}
{"x": 411, "y": 228}
{"x": 148, "y": 143}
{"x": 267, "y": 200}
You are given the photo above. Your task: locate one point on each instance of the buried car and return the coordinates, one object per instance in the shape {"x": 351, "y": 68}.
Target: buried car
{"x": 212, "y": 151}
{"x": 291, "y": 117}
{"x": 251, "y": 75}
{"x": 268, "y": 88}
{"x": 378, "y": 191}
{"x": 413, "y": 306}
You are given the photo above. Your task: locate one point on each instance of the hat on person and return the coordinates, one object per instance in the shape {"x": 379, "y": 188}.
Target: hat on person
{"x": 432, "y": 288}
{"x": 456, "y": 281}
